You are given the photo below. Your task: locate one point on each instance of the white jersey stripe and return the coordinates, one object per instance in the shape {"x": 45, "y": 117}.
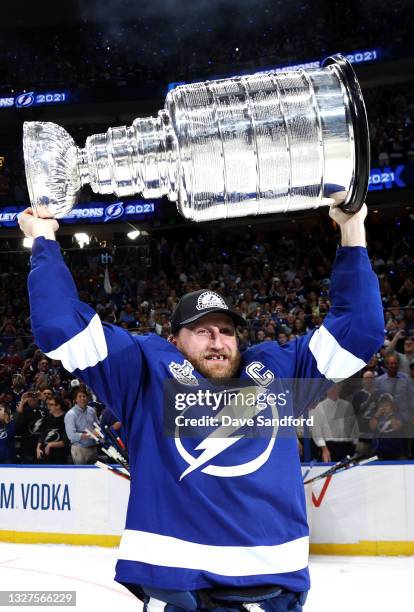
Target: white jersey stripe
{"x": 155, "y": 605}
{"x": 333, "y": 361}
{"x": 84, "y": 350}
{"x": 167, "y": 551}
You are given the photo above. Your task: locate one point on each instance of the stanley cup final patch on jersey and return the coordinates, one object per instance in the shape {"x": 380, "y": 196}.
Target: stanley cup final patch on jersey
{"x": 183, "y": 373}
{"x": 209, "y": 299}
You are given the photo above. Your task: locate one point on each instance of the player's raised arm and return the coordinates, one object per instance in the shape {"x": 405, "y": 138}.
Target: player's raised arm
{"x": 69, "y": 330}
{"x": 353, "y": 330}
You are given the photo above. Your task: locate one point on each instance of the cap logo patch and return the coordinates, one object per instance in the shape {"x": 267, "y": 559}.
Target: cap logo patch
{"x": 209, "y": 299}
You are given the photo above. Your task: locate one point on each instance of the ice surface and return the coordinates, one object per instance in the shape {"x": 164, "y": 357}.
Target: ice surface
{"x": 361, "y": 584}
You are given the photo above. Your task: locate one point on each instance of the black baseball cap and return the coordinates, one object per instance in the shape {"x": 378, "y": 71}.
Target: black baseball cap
{"x": 197, "y": 304}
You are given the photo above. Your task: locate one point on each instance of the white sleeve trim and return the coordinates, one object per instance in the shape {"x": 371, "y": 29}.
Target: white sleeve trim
{"x": 156, "y": 605}
{"x": 333, "y": 361}
{"x": 84, "y": 350}
{"x": 167, "y": 551}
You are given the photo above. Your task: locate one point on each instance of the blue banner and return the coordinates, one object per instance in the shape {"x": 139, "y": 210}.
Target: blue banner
{"x": 28, "y": 99}
{"x": 93, "y": 212}
{"x": 388, "y": 177}
{"x": 392, "y": 177}
{"x": 356, "y": 57}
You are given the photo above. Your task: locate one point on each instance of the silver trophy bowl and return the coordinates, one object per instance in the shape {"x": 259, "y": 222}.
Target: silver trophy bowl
{"x": 271, "y": 142}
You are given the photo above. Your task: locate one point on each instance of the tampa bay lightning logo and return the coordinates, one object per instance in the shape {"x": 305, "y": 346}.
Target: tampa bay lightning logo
{"x": 223, "y": 437}
{"x": 114, "y": 211}
{"x": 53, "y": 435}
{"x": 25, "y": 99}
{"x": 35, "y": 426}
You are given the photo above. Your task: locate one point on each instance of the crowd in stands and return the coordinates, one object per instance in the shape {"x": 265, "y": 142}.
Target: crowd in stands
{"x": 391, "y": 124}
{"x": 123, "y": 45}
{"x": 278, "y": 283}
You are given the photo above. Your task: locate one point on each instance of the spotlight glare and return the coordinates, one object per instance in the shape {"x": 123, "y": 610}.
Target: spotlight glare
{"x": 134, "y": 234}
{"x": 82, "y": 239}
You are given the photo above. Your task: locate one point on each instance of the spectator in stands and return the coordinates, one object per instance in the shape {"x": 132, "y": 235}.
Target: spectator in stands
{"x": 251, "y": 304}
{"x": 335, "y": 428}
{"x": 12, "y": 358}
{"x": 299, "y": 328}
{"x": 387, "y": 427}
{"x": 17, "y": 389}
{"x": 7, "y": 431}
{"x": 375, "y": 366}
{"x": 53, "y": 444}
{"x": 78, "y": 421}
{"x": 261, "y": 296}
{"x": 127, "y": 316}
{"x": 282, "y": 338}
{"x": 8, "y": 328}
{"x": 364, "y": 403}
{"x": 44, "y": 395}
{"x": 28, "y": 418}
{"x": 407, "y": 357}
{"x": 55, "y": 382}
{"x": 43, "y": 365}
{"x": 260, "y": 336}
{"x": 395, "y": 383}
{"x": 55, "y": 367}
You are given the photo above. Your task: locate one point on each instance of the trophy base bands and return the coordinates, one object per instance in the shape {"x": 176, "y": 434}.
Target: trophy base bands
{"x": 37, "y": 598}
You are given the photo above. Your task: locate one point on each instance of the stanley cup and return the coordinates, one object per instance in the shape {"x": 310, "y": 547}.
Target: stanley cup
{"x": 271, "y": 142}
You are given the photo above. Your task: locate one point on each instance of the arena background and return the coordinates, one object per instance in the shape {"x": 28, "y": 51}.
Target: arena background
{"x": 91, "y": 65}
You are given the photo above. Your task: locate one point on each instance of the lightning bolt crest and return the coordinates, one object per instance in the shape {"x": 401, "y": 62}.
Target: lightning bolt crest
{"x": 219, "y": 440}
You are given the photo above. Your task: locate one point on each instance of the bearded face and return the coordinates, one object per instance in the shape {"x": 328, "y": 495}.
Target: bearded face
{"x": 210, "y": 344}
{"x": 215, "y": 365}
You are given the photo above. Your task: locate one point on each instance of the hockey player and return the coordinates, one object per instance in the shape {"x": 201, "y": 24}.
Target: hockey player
{"x": 207, "y": 523}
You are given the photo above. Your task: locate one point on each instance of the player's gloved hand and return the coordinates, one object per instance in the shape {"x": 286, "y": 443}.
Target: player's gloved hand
{"x": 33, "y": 227}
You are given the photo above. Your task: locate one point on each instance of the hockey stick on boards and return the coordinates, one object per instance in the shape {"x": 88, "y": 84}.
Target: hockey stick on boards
{"x": 109, "y": 450}
{"x": 116, "y": 440}
{"x": 114, "y": 470}
{"x": 341, "y": 466}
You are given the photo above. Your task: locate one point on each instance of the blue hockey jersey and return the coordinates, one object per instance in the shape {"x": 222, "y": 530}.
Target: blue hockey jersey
{"x": 239, "y": 518}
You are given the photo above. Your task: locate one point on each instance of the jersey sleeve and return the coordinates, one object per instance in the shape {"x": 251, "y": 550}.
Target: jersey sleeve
{"x": 107, "y": 358}
{"x": 352, "y": 331}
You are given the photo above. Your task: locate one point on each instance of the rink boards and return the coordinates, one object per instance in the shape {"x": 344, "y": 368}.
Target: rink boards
{"x": 368, "y": 510}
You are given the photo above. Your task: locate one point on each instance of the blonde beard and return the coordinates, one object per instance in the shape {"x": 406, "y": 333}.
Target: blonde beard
{"x": 201, "y": 365}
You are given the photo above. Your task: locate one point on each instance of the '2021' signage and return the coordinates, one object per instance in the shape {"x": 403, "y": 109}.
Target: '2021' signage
{"x": 28, "y": 99}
